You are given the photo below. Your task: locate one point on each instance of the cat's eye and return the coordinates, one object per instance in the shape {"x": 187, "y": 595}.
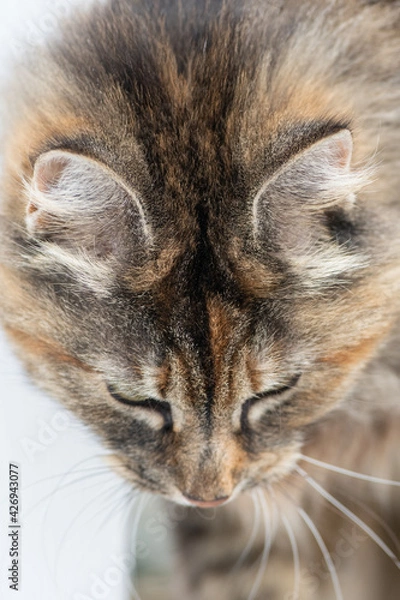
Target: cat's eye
{"x": 150, "y": 405}
{"x": 259, "y": 404}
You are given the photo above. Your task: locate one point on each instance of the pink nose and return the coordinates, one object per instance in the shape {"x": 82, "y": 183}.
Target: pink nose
{"x": 206, "y": 503}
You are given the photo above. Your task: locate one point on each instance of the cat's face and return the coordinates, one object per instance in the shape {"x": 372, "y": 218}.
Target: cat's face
{"x": 200, "y": 351}
{"x": 185, "y": 261}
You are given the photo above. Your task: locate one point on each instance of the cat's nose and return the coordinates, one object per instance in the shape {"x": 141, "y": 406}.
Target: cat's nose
{"x": 201, "y": 503}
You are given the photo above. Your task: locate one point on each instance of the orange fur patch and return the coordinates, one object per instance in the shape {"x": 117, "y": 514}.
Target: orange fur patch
{"x": 40, "y": 347}
{"x": 220, "y": 330}
{"x": 254, "y": 277}
{"x": 357, "y": 354}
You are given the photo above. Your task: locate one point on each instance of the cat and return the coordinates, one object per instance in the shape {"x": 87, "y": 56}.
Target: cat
{"x": 200, "y": 257}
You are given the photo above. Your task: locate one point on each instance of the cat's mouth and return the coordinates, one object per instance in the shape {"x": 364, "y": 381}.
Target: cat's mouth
{"x": 202, "y": 503}
{"x": 210, "y": 488}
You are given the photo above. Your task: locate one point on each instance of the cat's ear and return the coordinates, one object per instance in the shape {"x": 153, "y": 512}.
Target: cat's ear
{"x": 76, "y": 201}
{"x": 85, "y": 219}
{"x": 319, "y": 177}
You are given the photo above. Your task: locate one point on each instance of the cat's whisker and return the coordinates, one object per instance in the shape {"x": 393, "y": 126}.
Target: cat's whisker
{"x": 90, "y": 470}
{"x": 114, "y": 494}
{"x": 58, "y": 488}
{"x": 113, "y": 508}
{"x": 135, "y": 527}
{"x": 95, "y": 468}
{"x": 117, "y": 504}
{"x": 253, "y": 534}
{"x": 294, "y": 546}
{"x": 352, "y": 516}
{"x": 50, "y": 497}
{"x": 383, "y": 524}
{"x": 70, "y": 486}
{"x": 72, "y": 470}
{"x": 108, "y": 498}
{"x": 267, "y": 546}
{"x": 322, "y": 546}
{"x": 72, "y": 491}
{"x": 342, "y": 471}
{"x": 296, "y": 557}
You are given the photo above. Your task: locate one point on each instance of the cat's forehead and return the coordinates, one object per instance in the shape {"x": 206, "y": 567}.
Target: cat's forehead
{"x": 192, "y": 111}
{"x": 213, "y": 369}
{"x": 209, "y": 345}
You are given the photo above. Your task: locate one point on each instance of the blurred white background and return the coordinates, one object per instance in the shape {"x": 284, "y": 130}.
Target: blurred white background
{"x": 73, "y": 539}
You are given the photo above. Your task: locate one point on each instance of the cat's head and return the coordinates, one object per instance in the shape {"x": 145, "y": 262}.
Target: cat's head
{"x": 199, "y": 335}
{"x": 185, "y": 262}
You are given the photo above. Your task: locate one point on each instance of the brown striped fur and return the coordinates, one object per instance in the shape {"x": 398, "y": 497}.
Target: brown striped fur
{"x": 200, "y": 207}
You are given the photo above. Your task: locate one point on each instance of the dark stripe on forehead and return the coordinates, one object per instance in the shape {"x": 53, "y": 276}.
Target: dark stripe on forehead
{"x": 214, "y": 288}
{"x": 187, "y": 292}
{"x": 199, "y": 281}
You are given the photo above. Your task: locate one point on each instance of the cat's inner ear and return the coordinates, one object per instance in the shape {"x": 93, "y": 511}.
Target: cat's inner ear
{"x": 317, "y": 178}
{"x": 80, "y": 204}
{"x": 49, "y": 169}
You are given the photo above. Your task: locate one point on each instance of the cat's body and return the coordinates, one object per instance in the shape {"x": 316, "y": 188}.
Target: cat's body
{"x": 199, "y": 261}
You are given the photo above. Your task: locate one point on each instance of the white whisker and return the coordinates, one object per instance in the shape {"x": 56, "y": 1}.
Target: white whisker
{"x": 69, "y": 484}
{"x": 353, "y": 517}
{"x": 383, "y": 524}
{"x": 296, "y": 558}
{"x": 96, "y": 471}
{"x": 135, "y": 527}
{"x": 88, "y": 506}
{"x": 342, "y": 471}
{"x": 90, "y": 470}
{"x": 267, "y": 546}
{"x": 111, "y": 499}
{"x": 293, "y": 544}
{"x": 327, "y": 557}
{"x": 253, "y": 534}
{"x": 113, "y": 506}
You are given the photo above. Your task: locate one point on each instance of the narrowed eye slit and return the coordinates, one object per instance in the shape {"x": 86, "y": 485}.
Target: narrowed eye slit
{"x": 150, "y": 404}
{"x": 277, "y": 393}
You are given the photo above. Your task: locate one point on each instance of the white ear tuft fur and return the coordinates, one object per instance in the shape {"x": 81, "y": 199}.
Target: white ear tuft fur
{"x": 67, "y": 189}
{"x": 288, "y": 205}
{"x": 85, "y": 219}
{"x": 315, "y": 179}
